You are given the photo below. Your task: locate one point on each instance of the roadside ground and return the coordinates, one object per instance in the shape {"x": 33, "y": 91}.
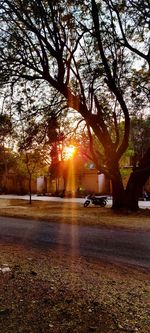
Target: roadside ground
{"x": 44, "y": 291}
{"x": 142, "y": 203}
{"x": 72, "y": 211}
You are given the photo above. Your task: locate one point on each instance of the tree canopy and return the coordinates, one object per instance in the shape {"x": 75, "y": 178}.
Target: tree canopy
{"x": 96, "y": 54}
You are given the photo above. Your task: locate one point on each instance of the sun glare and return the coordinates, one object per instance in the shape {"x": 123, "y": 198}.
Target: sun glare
{"x": 69, "y": 152}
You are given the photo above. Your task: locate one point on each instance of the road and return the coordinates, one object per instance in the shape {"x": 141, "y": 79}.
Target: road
{"x": 113, "y": 245}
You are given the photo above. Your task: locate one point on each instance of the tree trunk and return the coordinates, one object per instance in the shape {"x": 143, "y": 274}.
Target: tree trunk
{"x": 137, "y": 180}
{"x": 128, "y": 199}
{"x": 65, "y": 183}
{"x": 132, "y": 196}
{"x": 135, "y": 186}
{"x": 30, "y": 194}
{"x": 118, "y": 192}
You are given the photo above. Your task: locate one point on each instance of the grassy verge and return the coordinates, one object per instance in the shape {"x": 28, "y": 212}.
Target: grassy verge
{"x": 74, "y": 213}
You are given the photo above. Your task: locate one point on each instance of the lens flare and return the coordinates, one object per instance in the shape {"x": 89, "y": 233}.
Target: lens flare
{"x": 69, "y": 152}
{"x": 69, "y": 208}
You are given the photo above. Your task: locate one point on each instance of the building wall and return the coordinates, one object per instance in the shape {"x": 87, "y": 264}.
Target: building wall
{"x": 41, "y": 185}
{"x": 12, "y": 184}
{"x": 104, "y": 184}
{"x": 55, "y": 185}
{"x": 89, "y": 181}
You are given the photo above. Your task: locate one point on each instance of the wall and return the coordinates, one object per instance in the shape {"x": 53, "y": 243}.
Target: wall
{"x": 12, "y": 184}
{"x": 89, "y": 181}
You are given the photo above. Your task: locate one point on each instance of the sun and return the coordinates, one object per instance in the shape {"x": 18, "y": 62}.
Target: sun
{"x": 69, "y": 151}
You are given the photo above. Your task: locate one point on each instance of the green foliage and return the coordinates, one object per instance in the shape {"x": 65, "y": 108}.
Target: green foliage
{"x": 5, "y": 126}
{"x": 31, "y": 163}
{"x": 8, "y": 160}
{"x": 140, "y": 136}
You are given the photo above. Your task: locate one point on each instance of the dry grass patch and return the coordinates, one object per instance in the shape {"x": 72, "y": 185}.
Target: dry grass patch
{"x": 74, "y": 213}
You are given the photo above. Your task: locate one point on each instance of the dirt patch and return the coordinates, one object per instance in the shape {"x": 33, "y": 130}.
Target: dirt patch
{"x": 46, "y": 292}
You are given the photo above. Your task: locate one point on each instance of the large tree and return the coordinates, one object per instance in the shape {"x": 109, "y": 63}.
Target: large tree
{"x": 90, "y": 52}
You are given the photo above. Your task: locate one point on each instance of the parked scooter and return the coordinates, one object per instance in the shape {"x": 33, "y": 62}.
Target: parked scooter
{"x": 97, "y": 201}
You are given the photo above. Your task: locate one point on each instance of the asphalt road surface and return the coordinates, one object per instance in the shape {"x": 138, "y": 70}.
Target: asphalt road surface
{"x": 113, "y": 245}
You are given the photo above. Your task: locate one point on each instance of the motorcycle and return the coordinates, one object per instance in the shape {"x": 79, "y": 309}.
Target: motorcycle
{"x": 97, "y": 201}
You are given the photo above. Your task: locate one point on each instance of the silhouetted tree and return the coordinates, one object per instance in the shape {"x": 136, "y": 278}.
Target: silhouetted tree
{"x": 88, "y": 51}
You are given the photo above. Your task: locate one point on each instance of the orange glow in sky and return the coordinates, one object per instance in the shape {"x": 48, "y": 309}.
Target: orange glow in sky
{"x": 69, "y": 152}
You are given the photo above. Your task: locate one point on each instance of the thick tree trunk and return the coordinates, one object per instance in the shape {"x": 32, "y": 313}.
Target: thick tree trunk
{"x": 136, "y": 181}
{"x": 128, "y": 199}
{"x": 118, "y": 192}
{"x": 134, "y": 188}
{"x": 132, "y": 194}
